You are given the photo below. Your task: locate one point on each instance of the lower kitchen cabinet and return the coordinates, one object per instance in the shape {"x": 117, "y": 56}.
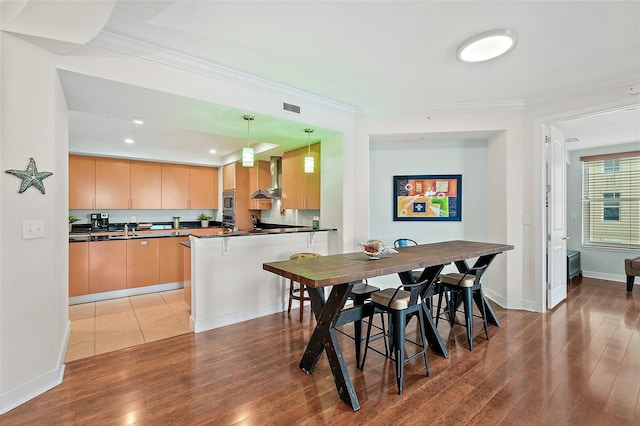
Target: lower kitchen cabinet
{"x": 78, "y": 269}
{"x": 102, "y": 266}
{"x": 171, "y": 263}
{"x": 107, "y": 265}
{"x": 143, "y": 262}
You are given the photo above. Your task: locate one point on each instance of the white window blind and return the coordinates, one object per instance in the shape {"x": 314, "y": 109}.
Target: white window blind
{"x": 611, "y": 200}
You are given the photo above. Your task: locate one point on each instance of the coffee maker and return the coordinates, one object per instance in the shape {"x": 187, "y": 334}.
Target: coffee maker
{"x": 99, "y": 221}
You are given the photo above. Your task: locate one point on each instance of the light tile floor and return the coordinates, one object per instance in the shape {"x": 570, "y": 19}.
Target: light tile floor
{"x": 108, "y": 325}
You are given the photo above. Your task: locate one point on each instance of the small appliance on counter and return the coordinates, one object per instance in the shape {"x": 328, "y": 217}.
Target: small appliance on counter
{"x": 256, "y": 222}
{"x": 99, "y": 221}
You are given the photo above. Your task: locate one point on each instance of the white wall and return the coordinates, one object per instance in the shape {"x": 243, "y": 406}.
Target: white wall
{"x": 504, "y": 177}
{"x": 603, "y": 263}
{"x": 33, "y": 273}
{"x": 468, "y": 158}
{"x": 424, "y": 157}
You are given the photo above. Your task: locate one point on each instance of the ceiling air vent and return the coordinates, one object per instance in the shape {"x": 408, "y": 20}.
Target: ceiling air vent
{"x": 291, "y": 107}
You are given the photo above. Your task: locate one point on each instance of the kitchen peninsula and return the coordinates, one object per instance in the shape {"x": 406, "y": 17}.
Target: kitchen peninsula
{"x": 228, "y": 284}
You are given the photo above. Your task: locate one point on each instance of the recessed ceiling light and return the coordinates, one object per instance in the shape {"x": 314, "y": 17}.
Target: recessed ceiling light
{"x": 138, "y": 121}
{"x": 487, "y": 45}
{"x": 212, "y": 151}
{"x": 128, "y": 140}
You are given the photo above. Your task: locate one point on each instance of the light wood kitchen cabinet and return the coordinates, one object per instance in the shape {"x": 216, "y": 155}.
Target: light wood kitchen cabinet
{"x": 107, "y": 265}
{"x": 239, "y": 175}
{"x": 171, "y": 262}
{"x": 189, "y": 187}
{"x": 203, "y": 187}
{"x": 113, "y": 180}
{"x": 109, "y": 183}
{"x": 78, "y": 269}
{"x": 175, "y": 186}
{"x": 259, "y": 177}
{"x": 229, "y": 176}
{"x": 300, "y": 190}
{"x": 146, "y": 185}
{"x": 143, "y": 262}
{"x": 82, "y": 182}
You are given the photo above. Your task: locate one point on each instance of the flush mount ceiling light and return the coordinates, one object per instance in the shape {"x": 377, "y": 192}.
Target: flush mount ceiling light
{"x": 129, "y": 140}
{"x": 247, "y": 151}
{"x": 138, "y": 121}
{"x": 308, "y": 160}
{"x": 487, "y": 45}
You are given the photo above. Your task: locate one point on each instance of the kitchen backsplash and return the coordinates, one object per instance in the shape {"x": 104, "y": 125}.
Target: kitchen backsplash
{"x": 126, "y": 216}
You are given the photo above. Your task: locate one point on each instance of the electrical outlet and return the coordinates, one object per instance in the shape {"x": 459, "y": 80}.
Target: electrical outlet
{"x": 133, "y": 219}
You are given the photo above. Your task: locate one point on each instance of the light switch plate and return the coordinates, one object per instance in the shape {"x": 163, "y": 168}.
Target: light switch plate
{"x": 32, "y": 229}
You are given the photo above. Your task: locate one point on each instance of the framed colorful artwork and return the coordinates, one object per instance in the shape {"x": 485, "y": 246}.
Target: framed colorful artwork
{"x": 427, "y": 197}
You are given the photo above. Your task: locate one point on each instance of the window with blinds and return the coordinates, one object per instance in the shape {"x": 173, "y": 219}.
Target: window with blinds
{"x": 611, "y": 200}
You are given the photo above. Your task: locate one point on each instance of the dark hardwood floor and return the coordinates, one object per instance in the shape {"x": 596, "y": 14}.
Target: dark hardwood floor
{"x": 578, "y": 364}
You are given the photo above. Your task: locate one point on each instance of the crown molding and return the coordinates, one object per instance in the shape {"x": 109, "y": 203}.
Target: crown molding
{"x": 118, "y": 43}
{"x": 615, "y": 82}
{"x": 512, "y": 105}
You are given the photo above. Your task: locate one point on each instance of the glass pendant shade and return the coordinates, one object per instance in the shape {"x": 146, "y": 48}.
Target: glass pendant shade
{"x": 247, "y": 156}
{"x": 308, "y": 164}
{"x": 247, "y": 151}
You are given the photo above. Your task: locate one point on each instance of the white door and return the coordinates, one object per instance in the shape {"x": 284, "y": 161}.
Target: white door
{"x": 556, "y": 219}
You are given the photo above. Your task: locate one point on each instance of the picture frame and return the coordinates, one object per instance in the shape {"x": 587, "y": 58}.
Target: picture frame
{"x": 427, "y": 198}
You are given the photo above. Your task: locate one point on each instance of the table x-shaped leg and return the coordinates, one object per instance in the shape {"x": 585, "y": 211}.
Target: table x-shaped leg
{"x": 325, "y": 338}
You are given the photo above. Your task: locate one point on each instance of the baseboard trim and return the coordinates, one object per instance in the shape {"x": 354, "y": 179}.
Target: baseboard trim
{"x": 40, "y": 385}
{"x": 236, "y": 317}
{"x": 116, "y": 294}
{"x": 608, "y": 277}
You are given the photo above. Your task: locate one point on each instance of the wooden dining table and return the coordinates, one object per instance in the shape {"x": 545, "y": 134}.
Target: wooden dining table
{"x": 342, "y": 271}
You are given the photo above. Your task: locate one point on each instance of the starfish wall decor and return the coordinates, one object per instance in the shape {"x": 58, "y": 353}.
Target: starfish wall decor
{"x": 30, "y": 177}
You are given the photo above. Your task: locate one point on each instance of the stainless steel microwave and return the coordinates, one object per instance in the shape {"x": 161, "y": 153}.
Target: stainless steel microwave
{"x": 229, "y": 200}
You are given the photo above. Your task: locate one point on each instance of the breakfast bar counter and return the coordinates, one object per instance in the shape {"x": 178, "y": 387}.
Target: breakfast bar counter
{"x": 228, "y": 284}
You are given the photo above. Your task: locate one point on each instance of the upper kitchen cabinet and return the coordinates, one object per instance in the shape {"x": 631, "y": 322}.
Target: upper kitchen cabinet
{"x": 146, "y": 185}
{"x": 175, "y": 186}
{"x": 82, "y": 182}
{"x": 259, "y": 177}
{"x": 229, "y": 176}
{"x": 113, "y": 180}
{"x": 300, "y": 190}
{"x": 189, "y": 187}
{"x": 203, "y": 187}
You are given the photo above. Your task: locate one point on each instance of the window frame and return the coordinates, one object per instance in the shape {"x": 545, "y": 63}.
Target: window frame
{"x": 610, "y": 195}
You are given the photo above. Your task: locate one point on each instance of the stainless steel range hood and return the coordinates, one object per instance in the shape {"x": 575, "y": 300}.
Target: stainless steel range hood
{"x": 275, "y": 190}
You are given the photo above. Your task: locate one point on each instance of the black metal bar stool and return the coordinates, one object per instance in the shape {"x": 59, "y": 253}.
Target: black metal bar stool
{"x": 360, "y": 294}
{"x": 402, "y": 303}
{"x": 298, "y": 293}
{"x": 463, "y": 288}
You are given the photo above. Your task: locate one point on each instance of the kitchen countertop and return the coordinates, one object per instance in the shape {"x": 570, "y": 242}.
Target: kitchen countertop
{"x": 199, "y": 233}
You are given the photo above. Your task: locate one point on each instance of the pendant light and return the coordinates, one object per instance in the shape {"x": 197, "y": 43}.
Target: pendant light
{"x": 308, "y": 160}
{"x": 247, "y": 151}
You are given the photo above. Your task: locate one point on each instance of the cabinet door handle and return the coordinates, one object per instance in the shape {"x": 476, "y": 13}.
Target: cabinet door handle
{"x": 144, "y": 243}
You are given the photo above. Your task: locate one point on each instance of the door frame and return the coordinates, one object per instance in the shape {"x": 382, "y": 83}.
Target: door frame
{"x": 542, "y": 123}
